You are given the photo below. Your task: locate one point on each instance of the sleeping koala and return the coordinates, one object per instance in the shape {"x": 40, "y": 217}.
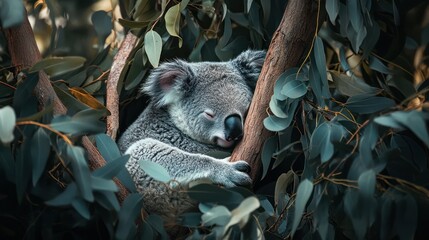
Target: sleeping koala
{"x": 195, "y": 108}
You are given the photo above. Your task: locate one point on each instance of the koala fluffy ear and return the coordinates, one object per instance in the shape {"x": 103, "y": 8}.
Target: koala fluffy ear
{"x": 168, "y": 82}
{"x": 249, "y": 63}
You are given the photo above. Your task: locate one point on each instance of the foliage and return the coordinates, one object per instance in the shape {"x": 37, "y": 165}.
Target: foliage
{"x": 349, "y": 159}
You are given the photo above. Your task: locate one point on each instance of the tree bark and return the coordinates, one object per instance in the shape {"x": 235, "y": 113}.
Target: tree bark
{"x": 288, "y": 48}
{"x": 112, "y": 95}
{"x": 24, "y": 54}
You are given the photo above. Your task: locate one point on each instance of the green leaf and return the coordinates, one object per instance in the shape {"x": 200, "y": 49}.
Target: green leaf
{"x": 153, "y": 47}
{"x": 332, "y": 7}
{"x": 365, "y": 104}
{"x": 107, "y": 200}
{"x": 294, "y": 89}
{"x": 7, "y": 124}
{"x": 218, "y": 215}
{"x": 103, "y": 26}
{"x": 112, "y": 168}
{"x": 107, "y": 147}
{"x": 127, "y": 215}
{"x": 133, "y": 24}
{"x": 241, "y": 214}
{"x": 270, "y": 147}
{"x": 40, "y": 149}
{"x": 209, "y": 193}
{"x": 351, "y": 86}
{"x": 155, "y": 170}
{"x": 388, "y": 121}
{"x": 305, "y": 188}
{"x": 81, "y": 171}
{"x": 12, "y": 13}
{"x": 101, "y": 184}
{"x": 323, "y": 139}
{"x": 415, "y": 121}
{"x": 320, "y": 58}
{"x": 84, "y": 122}
{"x": 377, "y": 65}
{"x": 283, "y": 181}
{"x": 172, "y": 22}
{"x": 355, "y": 15}
{"x": 66, "y": 197}
{"x": 277, "y": 124}
{"x": 55, "y": 66}
{"x": 366, "y": 183}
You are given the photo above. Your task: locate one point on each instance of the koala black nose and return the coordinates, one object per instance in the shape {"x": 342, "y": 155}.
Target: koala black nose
{"x": 233, "y": 128}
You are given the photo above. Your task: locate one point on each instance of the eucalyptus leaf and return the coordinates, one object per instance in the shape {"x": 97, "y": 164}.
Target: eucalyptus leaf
{"x": 172, "y": 22}
{"x": 332, "y": 8}
{"x": 40, "y": 149}
{"x": 55, "y": 66}
{"x": 153, "y": 47}
{"x": 129, "y": 211}
{"x": 107, "y": 147}
{"x": 12, "y": 13}
{"x": 365, "y": 104}
{"x": 155, "y": 170}
{"x": 351, "y": 86}
{"x": 7, "y": 123}
{"x": 81, "y": 171}
{"x": 294, "y": 89}
{"x": 270, "y": 146}
{"x": 218, "y": 215}
{"x": 305, "y": 189}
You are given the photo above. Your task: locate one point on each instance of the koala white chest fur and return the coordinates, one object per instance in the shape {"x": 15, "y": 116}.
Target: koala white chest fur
{"x": 195, "y": 108}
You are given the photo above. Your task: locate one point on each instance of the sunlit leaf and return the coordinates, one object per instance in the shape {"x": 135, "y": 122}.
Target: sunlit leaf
{"x": 7, "y": 124}
{"x": 218, "y": 215}
{"x": 153, "y": 47}
{"x": 86, "y": 98}
{"x": 172, "y": 22}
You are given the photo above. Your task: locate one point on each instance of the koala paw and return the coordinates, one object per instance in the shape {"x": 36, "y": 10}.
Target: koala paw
{"x": 233, "y": 174}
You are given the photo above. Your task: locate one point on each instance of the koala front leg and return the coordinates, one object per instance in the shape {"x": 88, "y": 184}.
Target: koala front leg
{"x": 184, "y": 166}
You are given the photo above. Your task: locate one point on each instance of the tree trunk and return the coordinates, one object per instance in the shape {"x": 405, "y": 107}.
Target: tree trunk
{"x": 24, "y": 54}
{"x": 288, "y": 48}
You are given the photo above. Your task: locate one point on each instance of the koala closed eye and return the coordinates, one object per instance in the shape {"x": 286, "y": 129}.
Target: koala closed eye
{"x": 209, "y": 114}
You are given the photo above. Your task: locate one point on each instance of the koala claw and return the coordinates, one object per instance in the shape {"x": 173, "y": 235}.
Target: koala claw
{"x": 242, "y": 166}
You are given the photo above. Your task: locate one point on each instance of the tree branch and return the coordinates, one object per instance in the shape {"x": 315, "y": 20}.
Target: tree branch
{"x": 288, "y": 47}
{"x": 24, "y": 54}
{"x": 112, "y": 95}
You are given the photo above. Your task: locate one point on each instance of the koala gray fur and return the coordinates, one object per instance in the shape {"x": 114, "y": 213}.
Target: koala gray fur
{"x": 195, "y": 108}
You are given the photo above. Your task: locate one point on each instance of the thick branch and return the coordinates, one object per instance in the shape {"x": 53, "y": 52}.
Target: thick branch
{"x": 112, "y": 95}
{"x": 288, "y": 47}
{"x": 24, "y": 54}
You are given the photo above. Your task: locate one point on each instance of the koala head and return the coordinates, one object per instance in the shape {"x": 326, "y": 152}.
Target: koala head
{"x": 208, "y": 100}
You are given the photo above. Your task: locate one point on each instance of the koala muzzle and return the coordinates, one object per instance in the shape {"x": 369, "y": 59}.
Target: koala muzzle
{"x": 233, "y": 128}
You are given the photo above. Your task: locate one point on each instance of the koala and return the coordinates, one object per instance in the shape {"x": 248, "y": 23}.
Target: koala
{"x": 194, "y": 108}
